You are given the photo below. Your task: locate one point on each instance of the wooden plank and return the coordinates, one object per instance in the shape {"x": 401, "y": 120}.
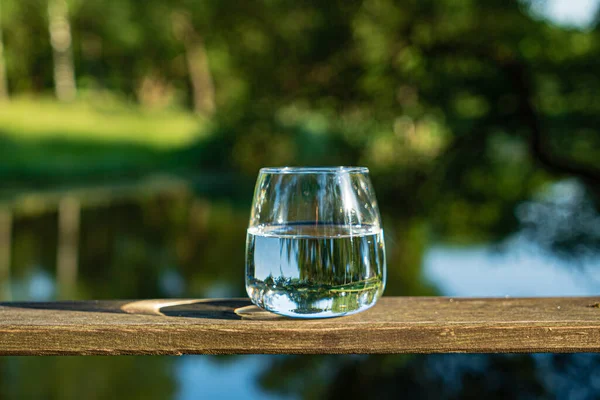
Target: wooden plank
{"x": 233, "y": 326}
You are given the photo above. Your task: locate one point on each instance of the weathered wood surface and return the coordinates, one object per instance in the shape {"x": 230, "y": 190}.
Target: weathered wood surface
{"x": 233, "y": 326}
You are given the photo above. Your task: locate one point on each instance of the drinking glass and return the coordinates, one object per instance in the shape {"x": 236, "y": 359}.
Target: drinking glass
{"x": 315, "y": 245}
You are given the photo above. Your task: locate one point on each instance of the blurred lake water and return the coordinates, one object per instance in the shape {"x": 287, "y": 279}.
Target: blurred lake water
{"x": 184, "y": 244}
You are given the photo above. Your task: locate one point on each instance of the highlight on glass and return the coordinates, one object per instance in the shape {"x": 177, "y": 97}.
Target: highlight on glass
{"x": 315, "y": 245}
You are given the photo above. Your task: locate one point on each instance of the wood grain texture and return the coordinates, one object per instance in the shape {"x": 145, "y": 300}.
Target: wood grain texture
{"x": 234, "y": 326}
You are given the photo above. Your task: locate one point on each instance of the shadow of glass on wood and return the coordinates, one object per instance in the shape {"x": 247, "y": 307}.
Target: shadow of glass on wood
{"x": 187, "y": 308}
{"x": 212, "y": 309}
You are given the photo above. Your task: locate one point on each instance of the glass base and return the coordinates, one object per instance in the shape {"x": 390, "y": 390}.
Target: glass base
{"x": 315, "y": 301}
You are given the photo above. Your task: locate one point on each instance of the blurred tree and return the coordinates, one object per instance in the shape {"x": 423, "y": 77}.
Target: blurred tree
{"x": 470, "y": 118}
{"x": 203, "y": 91}
{"x": 61, "y": 41}
{"x": 470, "y": 107}
{"x": 3, "y": 80}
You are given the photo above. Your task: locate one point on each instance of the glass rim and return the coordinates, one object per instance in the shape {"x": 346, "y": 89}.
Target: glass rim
{"x": 314, "y": 170}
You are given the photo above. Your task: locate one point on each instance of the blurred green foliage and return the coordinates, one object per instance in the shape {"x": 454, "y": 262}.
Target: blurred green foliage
{"x": 461, "y": 109}
{"x": 93, "y": 377}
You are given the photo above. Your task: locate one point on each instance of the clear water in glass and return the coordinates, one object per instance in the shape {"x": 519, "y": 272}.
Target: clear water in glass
{"x": 332, "y": 264}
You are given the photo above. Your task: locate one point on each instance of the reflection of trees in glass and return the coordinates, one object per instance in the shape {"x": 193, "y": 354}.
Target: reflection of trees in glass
{"x": 334, "y": 261}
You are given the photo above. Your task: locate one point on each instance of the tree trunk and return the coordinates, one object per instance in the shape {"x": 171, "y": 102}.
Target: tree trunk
{"x": 3, "y": 82}
{"x": 60, "y": 39}
{"x": 203, "y": 90}
{"x": 6, "y": 222}
{"x": 67, "y": 260}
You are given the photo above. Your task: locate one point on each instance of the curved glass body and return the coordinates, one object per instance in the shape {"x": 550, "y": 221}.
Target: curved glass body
{"x": 315, "y": 244}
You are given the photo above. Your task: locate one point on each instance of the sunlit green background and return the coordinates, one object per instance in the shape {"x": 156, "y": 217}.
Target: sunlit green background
{"x": 131, "y": 133}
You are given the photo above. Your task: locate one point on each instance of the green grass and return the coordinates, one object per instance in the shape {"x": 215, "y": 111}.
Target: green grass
{"x": 42, "y": 120}
{"x": 46, "y": 143}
